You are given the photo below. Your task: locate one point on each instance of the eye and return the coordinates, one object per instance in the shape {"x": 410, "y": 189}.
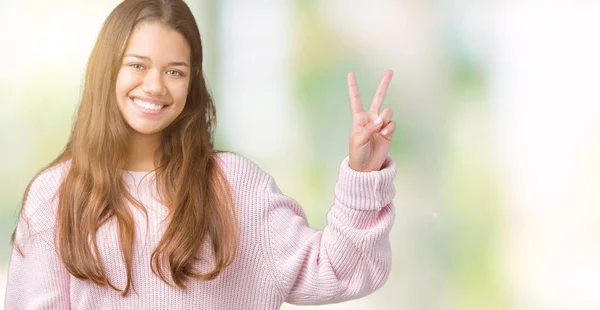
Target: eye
{"x": 175, "y": 72}
{"x": 137, "y": 66}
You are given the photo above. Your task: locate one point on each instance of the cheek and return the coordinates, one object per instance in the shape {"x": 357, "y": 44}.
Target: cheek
{"x": 179, "y": 93}
{"x": 125, "y": 82}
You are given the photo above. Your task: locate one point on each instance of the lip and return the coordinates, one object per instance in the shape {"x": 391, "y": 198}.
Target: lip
{"x": 145, "y": 111}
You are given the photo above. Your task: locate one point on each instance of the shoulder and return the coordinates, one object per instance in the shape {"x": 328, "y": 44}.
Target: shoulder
{"x": 234, "y": 161}
{"x": 236, "y": 164}
{"x": 241, "y": 171}
{"x": 43, "y": 190}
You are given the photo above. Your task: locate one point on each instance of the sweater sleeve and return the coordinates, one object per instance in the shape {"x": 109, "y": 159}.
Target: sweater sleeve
{"x": 37, "y": 279}
{"x": 349, "y": 258}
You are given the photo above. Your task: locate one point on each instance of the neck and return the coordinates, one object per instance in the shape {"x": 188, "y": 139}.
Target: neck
{"x": 142, "y": 149}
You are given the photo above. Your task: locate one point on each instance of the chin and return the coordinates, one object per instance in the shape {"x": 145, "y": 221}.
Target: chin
{"x": 145, "y": 130}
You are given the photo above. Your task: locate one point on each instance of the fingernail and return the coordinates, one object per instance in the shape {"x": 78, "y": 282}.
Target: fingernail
{"x": 378, "y": 121}
{"x": 384, "y": 132}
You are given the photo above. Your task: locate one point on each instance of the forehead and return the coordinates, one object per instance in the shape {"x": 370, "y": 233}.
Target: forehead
{"x": 158, "y": 42}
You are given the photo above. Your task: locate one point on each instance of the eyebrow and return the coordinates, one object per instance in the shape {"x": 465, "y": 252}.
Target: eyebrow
{"x": 173, "y": 63}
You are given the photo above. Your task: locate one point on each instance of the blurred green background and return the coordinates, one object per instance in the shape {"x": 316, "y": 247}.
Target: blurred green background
{"x": 496, "y": 199}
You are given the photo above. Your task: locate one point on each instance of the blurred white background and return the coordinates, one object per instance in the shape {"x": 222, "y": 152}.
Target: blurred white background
{"x": 497, "y": 143}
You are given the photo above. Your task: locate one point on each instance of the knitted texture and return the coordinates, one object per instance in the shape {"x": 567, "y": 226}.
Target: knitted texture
{"x": 280, "y": 258}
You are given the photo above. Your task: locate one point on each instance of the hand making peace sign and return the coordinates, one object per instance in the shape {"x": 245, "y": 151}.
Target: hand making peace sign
{"x": 372, "y": 132}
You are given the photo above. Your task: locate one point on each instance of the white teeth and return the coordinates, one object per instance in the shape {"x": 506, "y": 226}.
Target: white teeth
{"x": 147, "y": 105}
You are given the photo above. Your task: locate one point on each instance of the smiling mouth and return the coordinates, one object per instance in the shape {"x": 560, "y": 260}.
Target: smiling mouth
{"x": 147, "y": 105}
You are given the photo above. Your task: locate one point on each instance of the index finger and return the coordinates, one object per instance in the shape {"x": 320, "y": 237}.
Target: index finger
{"x": 355, "y": 103}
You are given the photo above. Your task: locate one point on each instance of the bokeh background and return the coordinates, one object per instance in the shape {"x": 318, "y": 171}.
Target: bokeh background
{"x": 497, "y": 142}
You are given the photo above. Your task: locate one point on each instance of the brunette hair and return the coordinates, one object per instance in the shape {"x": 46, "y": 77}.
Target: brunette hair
{"x": 189, "y": 179}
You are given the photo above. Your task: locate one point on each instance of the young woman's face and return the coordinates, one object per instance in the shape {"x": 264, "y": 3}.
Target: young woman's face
{"x": 152, "y": 84}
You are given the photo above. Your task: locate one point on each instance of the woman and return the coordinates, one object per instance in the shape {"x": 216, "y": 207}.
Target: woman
{"x": 140, "y": 212}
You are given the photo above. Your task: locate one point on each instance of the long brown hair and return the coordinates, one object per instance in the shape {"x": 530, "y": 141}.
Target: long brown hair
{"x": 189, "y": 179}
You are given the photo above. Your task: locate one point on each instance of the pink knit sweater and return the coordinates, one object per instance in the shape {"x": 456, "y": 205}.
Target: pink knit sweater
{"x": 280, "y": 259}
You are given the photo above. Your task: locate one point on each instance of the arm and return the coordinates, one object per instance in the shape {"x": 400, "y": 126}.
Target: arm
{"x": 37, "y": 278}
{"x": 348, "y": 259}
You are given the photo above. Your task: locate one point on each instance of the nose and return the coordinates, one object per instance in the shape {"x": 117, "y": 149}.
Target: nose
{"x": 153, "y": 83}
